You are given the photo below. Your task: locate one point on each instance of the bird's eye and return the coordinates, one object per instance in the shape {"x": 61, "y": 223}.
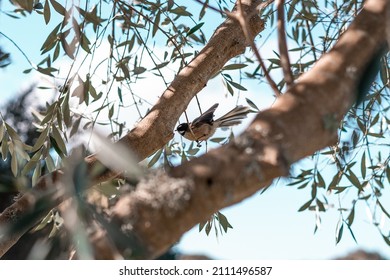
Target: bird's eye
{"x": 181, "y": 128}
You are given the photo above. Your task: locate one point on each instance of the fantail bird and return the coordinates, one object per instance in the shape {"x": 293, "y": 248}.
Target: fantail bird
{"x": 204, "y": 126}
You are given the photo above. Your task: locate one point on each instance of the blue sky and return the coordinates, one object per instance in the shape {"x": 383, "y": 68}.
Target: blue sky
{"x": 266, "y": 226}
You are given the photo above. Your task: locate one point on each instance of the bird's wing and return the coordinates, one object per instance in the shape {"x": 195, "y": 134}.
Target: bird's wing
{"x": 206, "y": 117}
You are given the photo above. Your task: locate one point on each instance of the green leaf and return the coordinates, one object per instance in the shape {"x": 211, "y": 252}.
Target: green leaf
{"x": 56, "y": 52}
{"x": 195, "y": 28}
{"x": 321, "y": 206}
{"x": 2, "y": 130}
{"x": 111, "y": 112}
{"x": 363, "y": 165}
{"x": 223, "y": 221}
{"x": 201, "y": 226}
{"x": 139, "y": 70}
{"x": 184, "y": 157}
{"x": 351, "y": 216}
{"x": 203, "y": 10}
{"x": 36, "y": 174}
{"x": 91, "y": 17}
{"x": 108, "y": 189}
{"x": 19, "y": 148}
{"x": 85, "y": 89}
{"x": 161, "y": 65}
{"x": 58, "y": 139}
{"x": 58, "y": 7}
{"x": 47, "y": 220}
{"x": 12, "y": 133}
{"x": 313, "y": 190}
{"x": 355, "y": 138}
{"x": 303, "y": 185}
{"x": 68, "y": 48}
{"x": 386, "y": 239}
{"x": 339, "y": 231}
{"x": 383, "y": 209}
{"x": 181, "y": 11}
{"x": 66, "y": 110}
{"x": 296, "y": 181}
{"x": 31, "y": 164}
{"x": 335, "y": 181}
{"x": 296, "y": 49}
{"x": 38, "y": 6}
{"x": 305, "y": 173}
{"x": 291, "y": 9}
{"x": 119, "y": 90}
{"x": 155, "y": 158}
{"x": 46, "y": 12}
{"x": 84, "y": 42}
{"x": 354, "y": 180}
{"x": 50, "y": 163}
{"x": 193, "y": 152}
{"x": 49, "y": 113}
{"x": 131, "y": 43}
{"x": 41, "y": 140}
{"x": 321, "y": 182}
{"x": 92, "y": 92}
{"x": 75, "y": 127}
{"x": 361, "y": 126}
{"x": 217, "y": 139}
{"x": 51, "y": 40}
{"x": 230, "y": 89}
{"x": 234, "y": 66}
{"x": 27, "y": 5}
{"x": 156, "y": 23}
{"x": 47, "y": 70}
{"x": 4, "y": 147}
{"x": 237, "y": 86}
{"x": 376, "y": 135}
{"x": 250, "y": 103}
{"x": 14, "y": 164}
{"x": 353, "y": 235}
{"x": 374, "y": 120}
{"x": 208, "y": 227}
{"x": 305, "y": 206}
{"x": 59, "y": 118}
{"x": 275, "y": 61}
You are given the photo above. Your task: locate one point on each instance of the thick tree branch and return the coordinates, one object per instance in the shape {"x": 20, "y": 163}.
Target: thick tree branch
{"x": 164, "y": 207}
{"x": 156, "y": 129}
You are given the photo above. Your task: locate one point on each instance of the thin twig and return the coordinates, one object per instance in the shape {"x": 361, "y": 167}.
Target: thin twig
{"x": 210, "y": 7}
{"x": 242, "y": 19}
{"x": 22, "y": 52}
{"x": 283, "y": 50}
{"x": 310, "y": 35}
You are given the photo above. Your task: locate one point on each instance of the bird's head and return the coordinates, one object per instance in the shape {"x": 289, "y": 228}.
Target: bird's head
{"x": 182, "y": 128}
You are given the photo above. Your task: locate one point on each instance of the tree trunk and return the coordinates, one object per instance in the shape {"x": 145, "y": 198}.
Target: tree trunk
{"x": 166, "y": 205}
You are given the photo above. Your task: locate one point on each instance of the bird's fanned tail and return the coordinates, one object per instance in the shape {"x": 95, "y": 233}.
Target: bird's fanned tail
{"x": 235, "y": 116}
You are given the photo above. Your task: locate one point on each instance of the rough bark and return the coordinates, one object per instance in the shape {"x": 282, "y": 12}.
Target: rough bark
{"x": 156, "y": 129}
{"x": 164, "y": 206}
